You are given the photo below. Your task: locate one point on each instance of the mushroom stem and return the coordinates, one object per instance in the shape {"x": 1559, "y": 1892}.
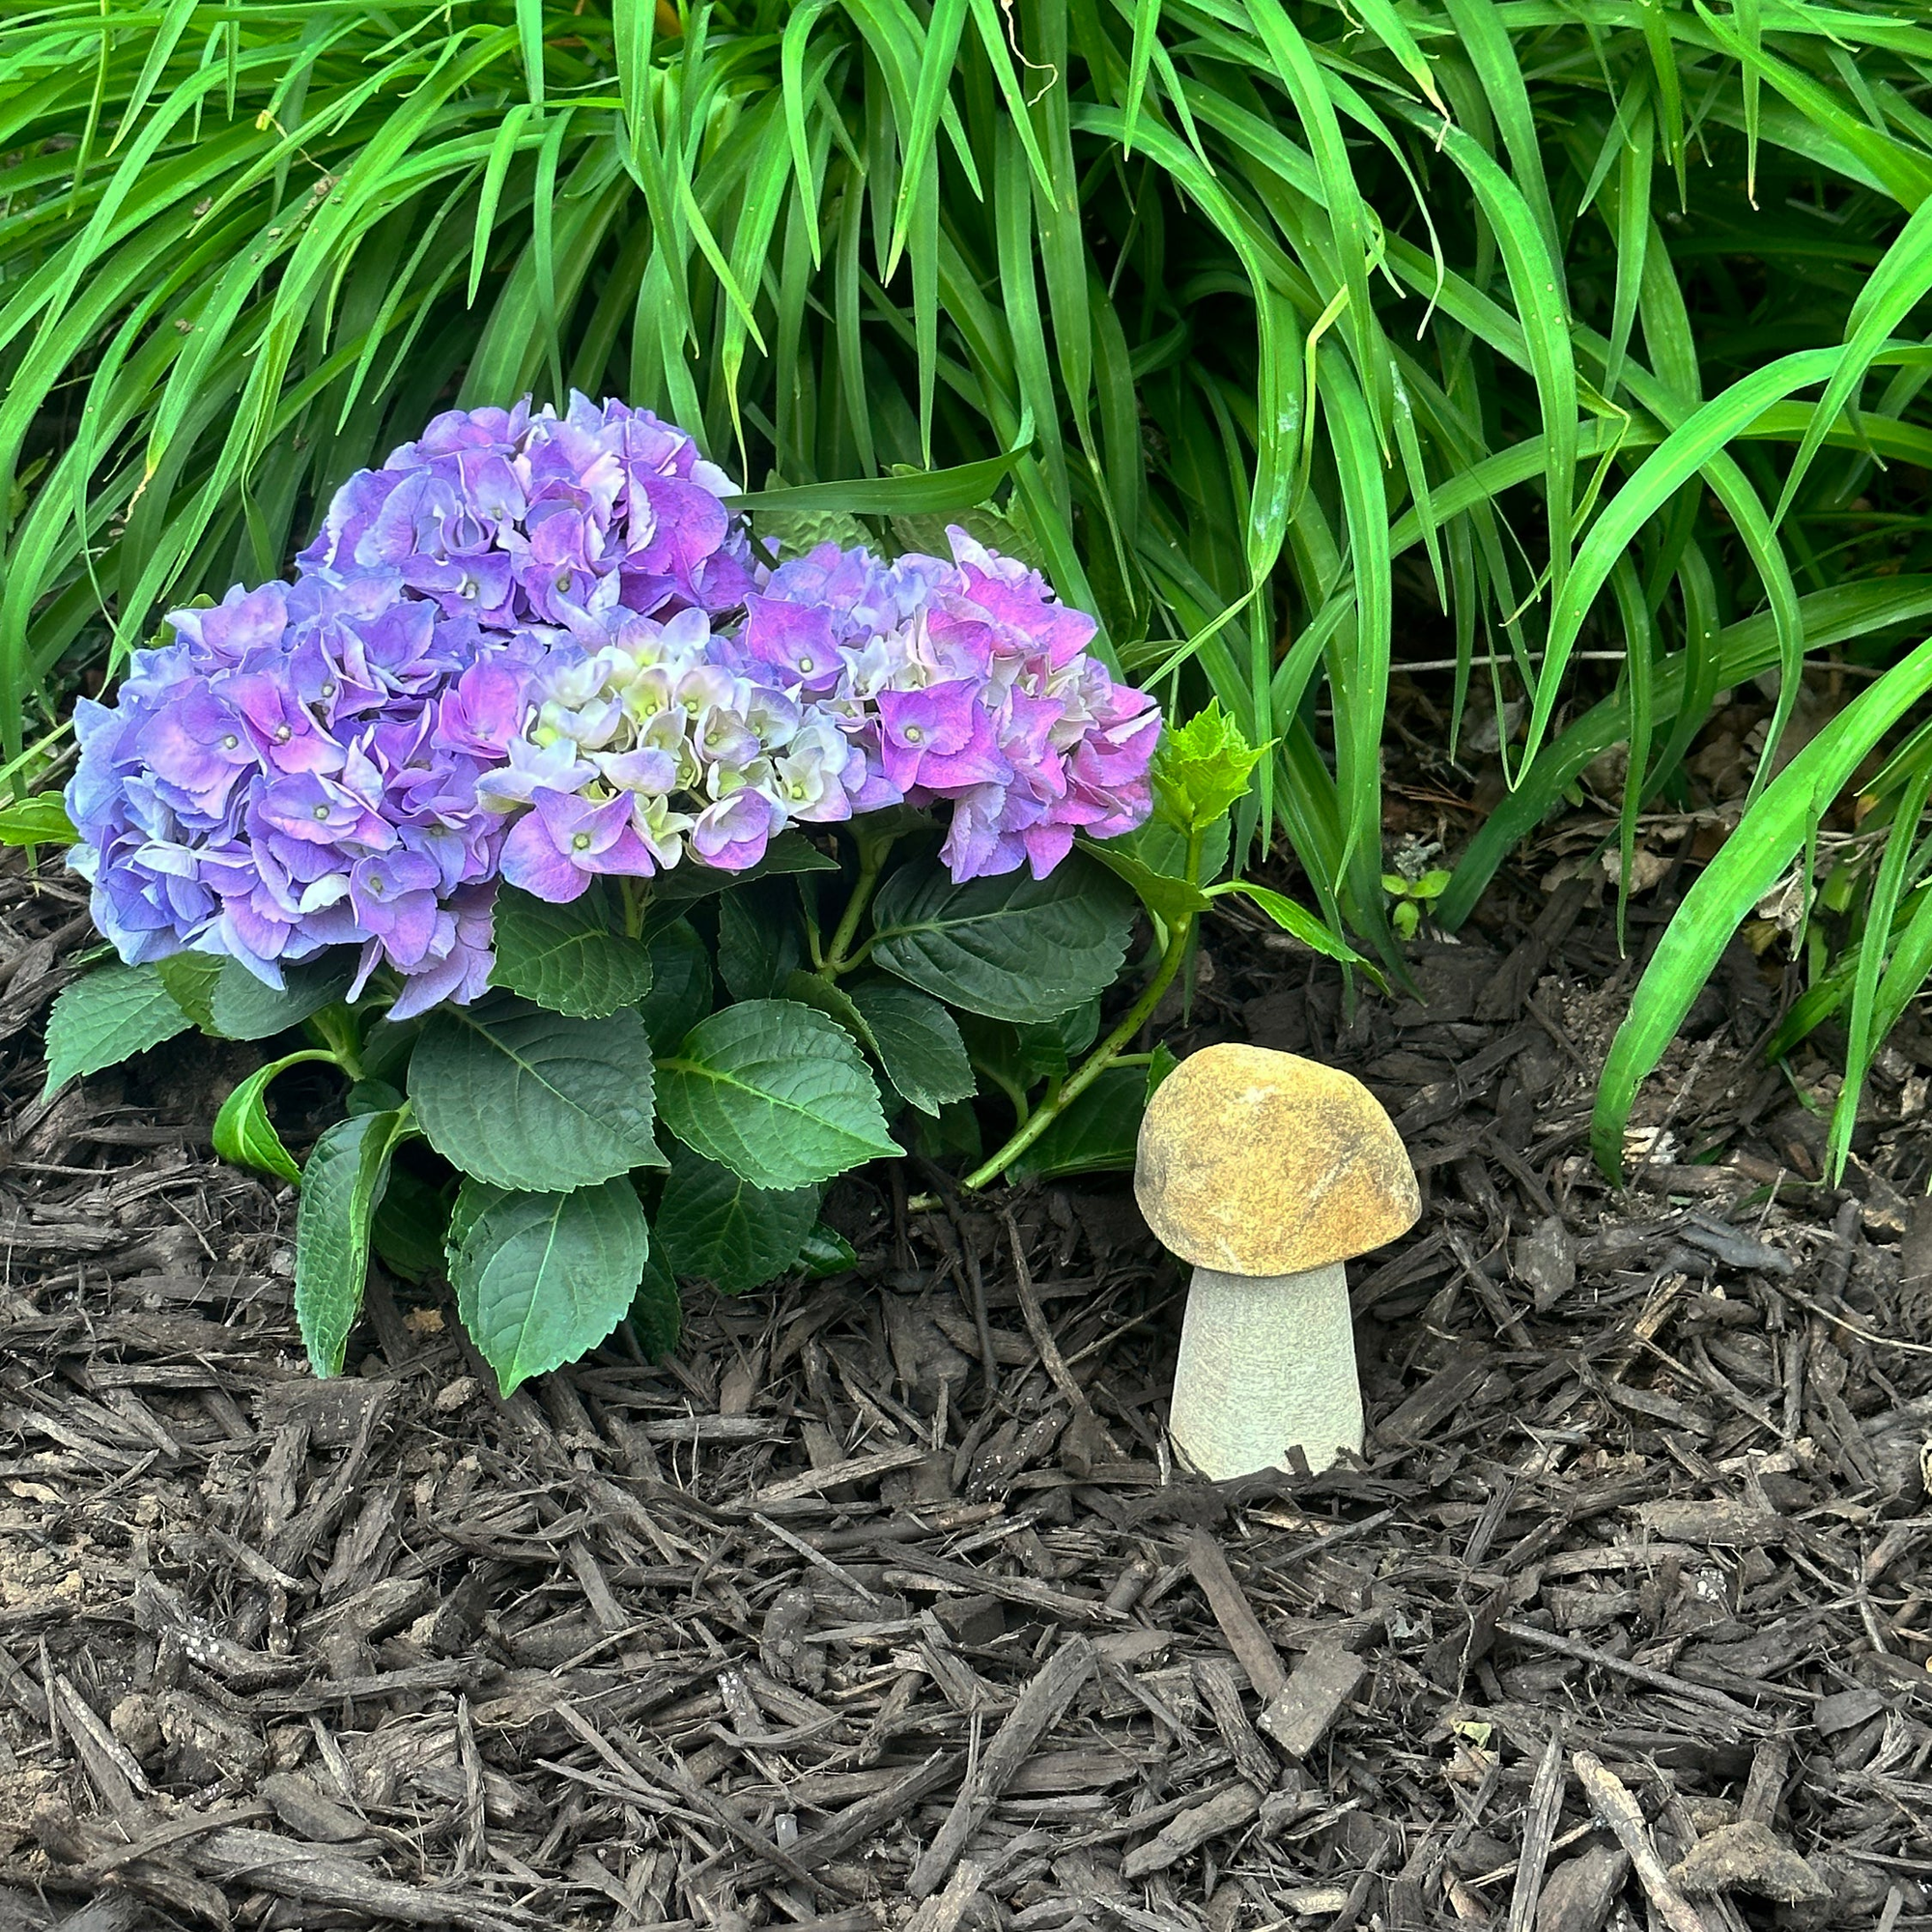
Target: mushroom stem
{"x": 1266, "y": 1362}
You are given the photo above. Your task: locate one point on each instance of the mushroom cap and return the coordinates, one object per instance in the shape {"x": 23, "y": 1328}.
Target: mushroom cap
{"x": 1261, "y": 1163}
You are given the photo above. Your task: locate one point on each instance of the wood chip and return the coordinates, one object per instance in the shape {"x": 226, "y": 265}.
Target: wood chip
{"x": 1240, "y": 1626}
{"x": 1041, "y": 1704}
{"x": 1539, "y": 1832}
{"x": 853, "y": 1470}
{"x": 1190, "y": 1830}
{"x": 1297, "y": 1718}
{"x": 1617, "y": 1810}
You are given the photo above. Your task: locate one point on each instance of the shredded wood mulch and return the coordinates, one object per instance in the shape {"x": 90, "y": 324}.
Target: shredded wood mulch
{"x": 884, "y": 1605}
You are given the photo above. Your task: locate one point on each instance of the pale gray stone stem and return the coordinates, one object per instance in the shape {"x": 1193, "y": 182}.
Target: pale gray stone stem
{"x": 1266, "y": 1361}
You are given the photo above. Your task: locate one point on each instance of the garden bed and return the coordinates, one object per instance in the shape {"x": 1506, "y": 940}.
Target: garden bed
{"x": 885, "y": 1588}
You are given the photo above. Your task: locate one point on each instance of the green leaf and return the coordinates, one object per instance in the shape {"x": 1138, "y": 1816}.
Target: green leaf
{"x": 472, "y": 1197}
{"x": 680, "y": 994}
{"x": 834, "y": 1001}
{"x": 825, "y": 1252}
{"x": 372, "y": 1096}
{"x": 542, "y": 1278}
{"x": 1201, "y": 768}
{"x": 1772, "y": 833}
{"x": 528, "y": 1099}
{"x": 657, "y": 1312}
{"x": 341, "y": 1184}
{"x": 1010, "y": 1057}
{"x": 954, "y": 1136}
{"x": 1056, "y": 1042}
{"x": 190, "y": 978}
{"x": 412, "y": 1226}
{"x": 103, "y": 1020}
{"x": 1161, "y": 846}
{"x": 1292, "y": 917}
{"x": 775, "y": 1092}
{"x": 916, "y": 1042}
{"x": 757, "y": 940}
{"x": 1013, "y": 948}
{"x": 930, "y": 535}
{"x": 956, "y": 488}
{"x": 566, "y": 957}
{"x": 243, "y": 1132}
{"x": 713, "y": 1226}
{"x": 1171, "y": 901}
{"x": 798, "y": 532}
{"x": 40, "y": 820}
{"x": 1097, "y": 1134}
{"x": 224, "y": 998}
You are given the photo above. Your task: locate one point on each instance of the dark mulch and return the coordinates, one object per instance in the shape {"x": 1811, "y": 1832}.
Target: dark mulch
{"x": 883, "y": 1603}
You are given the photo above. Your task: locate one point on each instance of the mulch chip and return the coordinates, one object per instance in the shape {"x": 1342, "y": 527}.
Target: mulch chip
{"x": 884, "y": 1603}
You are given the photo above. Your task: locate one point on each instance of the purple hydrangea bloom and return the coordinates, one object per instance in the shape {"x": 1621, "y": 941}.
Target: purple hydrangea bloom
{"x": 642, "y": 746}
{"x": 965, "y": 683}
{"x": 556, "y": 851}
{"x": 299, "y": 769}
{"x": 521, "y": 516}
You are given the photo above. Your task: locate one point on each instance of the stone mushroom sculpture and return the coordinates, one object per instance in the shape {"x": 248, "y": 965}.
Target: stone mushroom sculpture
{"x": 1267, "y": 1172}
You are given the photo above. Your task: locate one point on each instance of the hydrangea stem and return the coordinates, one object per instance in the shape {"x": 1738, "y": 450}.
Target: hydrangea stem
{"x": 339, "y": 1037}
{"x": 1092, "y": 1067}
{"x": 1031, "y": 1125}
{"x": 871, "y": 863}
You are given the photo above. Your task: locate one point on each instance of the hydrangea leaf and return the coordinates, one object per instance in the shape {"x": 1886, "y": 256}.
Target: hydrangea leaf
{"x": 472, "y": 1197}
{"x": 1171, "y": 901}
{"x": 541, "y": 1278}
{"x": 799, "y": 532}
{"x": 1201, "y": 768}
{"x": 410, "y": 1229}
{"x": 531, "y": 1100}
{"x": 757, "y": 940}
{"x": 997, "y": 532}
{"x": 1051, "y": 1046}
{"x": 102, "y": 1020}
{"x": 223, "y": 998}
{"x": 680, "y": 994}
{"x": 918, "y": 1043}
{"x": 1097, "y": 1134}
{"x": 832, "y": 1000}
{"x": 826, "y": 1251}
{"x": 190, "y": 978}
{"x": 712, "y": 1225}
{"x": 342, "y": 1183}
{"x": 244, "y": 1009}
{"x": 566, "y": 957}
{"x": 657, "y": 1312}
{"x": 243, "y": 1132}
{"x": 1013, "y": 948}
{"x": 775, "y": 1092}
{"x": 1153, "y": 861}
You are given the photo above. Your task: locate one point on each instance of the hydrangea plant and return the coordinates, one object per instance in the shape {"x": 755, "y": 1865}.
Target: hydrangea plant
{"x": 635, "y": 883}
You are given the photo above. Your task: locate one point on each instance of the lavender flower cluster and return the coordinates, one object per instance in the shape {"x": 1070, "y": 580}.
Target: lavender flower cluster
{"x": 538, "y": 648}
{"x": 297, "y": 769}
{"x": 962, "y": 682}
{"x": 516, "y": 517}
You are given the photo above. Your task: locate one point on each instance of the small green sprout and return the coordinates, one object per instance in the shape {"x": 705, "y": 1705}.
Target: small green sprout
{"x": 1412, "y": 898}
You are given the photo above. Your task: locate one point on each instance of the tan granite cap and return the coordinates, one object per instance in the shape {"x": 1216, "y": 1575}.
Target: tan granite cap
{"x": 1261, "y": 1163}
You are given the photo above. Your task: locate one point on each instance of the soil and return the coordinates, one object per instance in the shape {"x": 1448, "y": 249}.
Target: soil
{"x": 883, "y": 1603}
